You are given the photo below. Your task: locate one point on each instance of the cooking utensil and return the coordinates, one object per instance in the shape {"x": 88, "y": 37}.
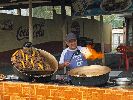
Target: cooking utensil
{"x": 89, "y": 75}
{"x": 2, "y": 77}
{"x": 123, "y": 81}
{"x": 12, "y": 77}
{"x": 39, "y": 75}
{"x": 77, "y": 52}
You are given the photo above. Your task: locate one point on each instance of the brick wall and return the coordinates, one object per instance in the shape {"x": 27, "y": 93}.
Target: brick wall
{"x": 33, "y": 91}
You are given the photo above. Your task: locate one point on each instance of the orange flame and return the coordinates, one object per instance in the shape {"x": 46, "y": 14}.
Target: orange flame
{"x": 91, "y": 53}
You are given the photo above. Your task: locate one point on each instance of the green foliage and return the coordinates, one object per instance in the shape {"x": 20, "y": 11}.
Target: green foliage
{"x": 45, "y": 12}
{"x": 42, "y": 12}
{"x": 114, "y": 20}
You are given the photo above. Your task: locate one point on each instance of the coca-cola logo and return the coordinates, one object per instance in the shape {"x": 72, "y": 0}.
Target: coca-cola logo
{"x": 23, "y": 33}
{"x": 6, "y": 25}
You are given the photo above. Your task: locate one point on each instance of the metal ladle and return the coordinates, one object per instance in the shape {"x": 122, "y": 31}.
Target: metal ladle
{"x": 77, "y": 52}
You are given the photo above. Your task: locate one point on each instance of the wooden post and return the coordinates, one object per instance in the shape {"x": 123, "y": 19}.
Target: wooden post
{"x": 63, "y": 13}
{"x": 83, "y": 29}
{"x": 19, "y": 11}
{"x": 131, "y": 42}
{"x": 102, "y": 38}
{"x": 127, "y": 30}
{"x": 92, "y": 17}
{"x": 30, "y": 22}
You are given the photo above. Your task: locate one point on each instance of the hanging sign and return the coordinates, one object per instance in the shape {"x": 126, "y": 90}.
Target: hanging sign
{"x": 115, "y": 5}
{"x": 100, "y": 7}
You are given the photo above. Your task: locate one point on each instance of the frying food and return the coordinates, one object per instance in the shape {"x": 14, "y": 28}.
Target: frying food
{"x": 89, "y": 71}
{"x": 30, "y": 59}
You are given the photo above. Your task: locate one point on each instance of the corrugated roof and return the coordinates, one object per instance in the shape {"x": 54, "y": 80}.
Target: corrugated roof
{"x": 79, "y": 7}
{"x": 101, "y": 7}
{"x": 15, "y": 4}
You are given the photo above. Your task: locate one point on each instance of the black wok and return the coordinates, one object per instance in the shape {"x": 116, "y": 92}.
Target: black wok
{"x": 39, "y": 76}
{"x": 94, "y": 75}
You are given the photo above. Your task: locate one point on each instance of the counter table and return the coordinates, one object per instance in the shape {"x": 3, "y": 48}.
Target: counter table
{"x": 40, "y": 91}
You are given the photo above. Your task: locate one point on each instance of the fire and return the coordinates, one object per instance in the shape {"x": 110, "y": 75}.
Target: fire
{"x": 22, "y": 59}
{"x": 91, "y": 53}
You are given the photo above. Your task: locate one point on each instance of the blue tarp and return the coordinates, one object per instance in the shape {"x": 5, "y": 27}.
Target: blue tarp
{"x": 100, "y": 7}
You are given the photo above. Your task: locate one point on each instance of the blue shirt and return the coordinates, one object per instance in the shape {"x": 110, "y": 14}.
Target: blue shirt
{"x": 74, "y": 59}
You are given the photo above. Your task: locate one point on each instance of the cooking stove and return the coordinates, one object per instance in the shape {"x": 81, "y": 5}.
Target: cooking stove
{"x": 12, "y": 77}
{"x": 64, "y": 79}
{"x": 107, "y": 85}
{"x": 60, "y": 80}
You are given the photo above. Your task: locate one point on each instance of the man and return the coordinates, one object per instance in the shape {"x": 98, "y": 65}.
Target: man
{"x": 72, "y": 57}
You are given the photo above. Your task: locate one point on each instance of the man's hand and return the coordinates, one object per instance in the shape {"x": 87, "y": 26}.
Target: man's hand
{"x": 66, "y": 63}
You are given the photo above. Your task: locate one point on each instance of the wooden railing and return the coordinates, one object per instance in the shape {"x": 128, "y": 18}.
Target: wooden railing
{"x": 127, "y": 55}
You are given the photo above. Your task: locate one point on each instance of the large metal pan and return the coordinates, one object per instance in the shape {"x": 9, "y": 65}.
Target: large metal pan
{"x": 93, "y": 75}
{"x": 39, "y": 76}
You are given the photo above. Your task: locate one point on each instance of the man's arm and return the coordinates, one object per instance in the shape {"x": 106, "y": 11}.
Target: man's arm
{"x": 63, "y": 63}
{"x": 61, "y": 66}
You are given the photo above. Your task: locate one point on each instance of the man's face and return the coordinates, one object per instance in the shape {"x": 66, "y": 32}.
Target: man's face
{"x": 72, "y": 44}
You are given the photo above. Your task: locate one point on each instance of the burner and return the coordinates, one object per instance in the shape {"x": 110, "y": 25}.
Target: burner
{"x": 107, "y": 85}
{"x": 12, "y": 77}
{"x": 63, "y": 80}
{"x": 60, "y": 82}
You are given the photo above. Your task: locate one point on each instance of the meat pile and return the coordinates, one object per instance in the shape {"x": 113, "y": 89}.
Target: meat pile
{"x": 30, "y": 59}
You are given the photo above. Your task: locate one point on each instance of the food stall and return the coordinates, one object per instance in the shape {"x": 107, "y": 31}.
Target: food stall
{"x": 34, "y": 68}
{"x": 91, "y": 82}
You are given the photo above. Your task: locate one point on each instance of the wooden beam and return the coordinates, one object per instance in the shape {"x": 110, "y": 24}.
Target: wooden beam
{"x": 102, "y": 38}
{"x": 30, "y": 22}
{"x": 19, "y": 11}
{"x": 21, "y": 3}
